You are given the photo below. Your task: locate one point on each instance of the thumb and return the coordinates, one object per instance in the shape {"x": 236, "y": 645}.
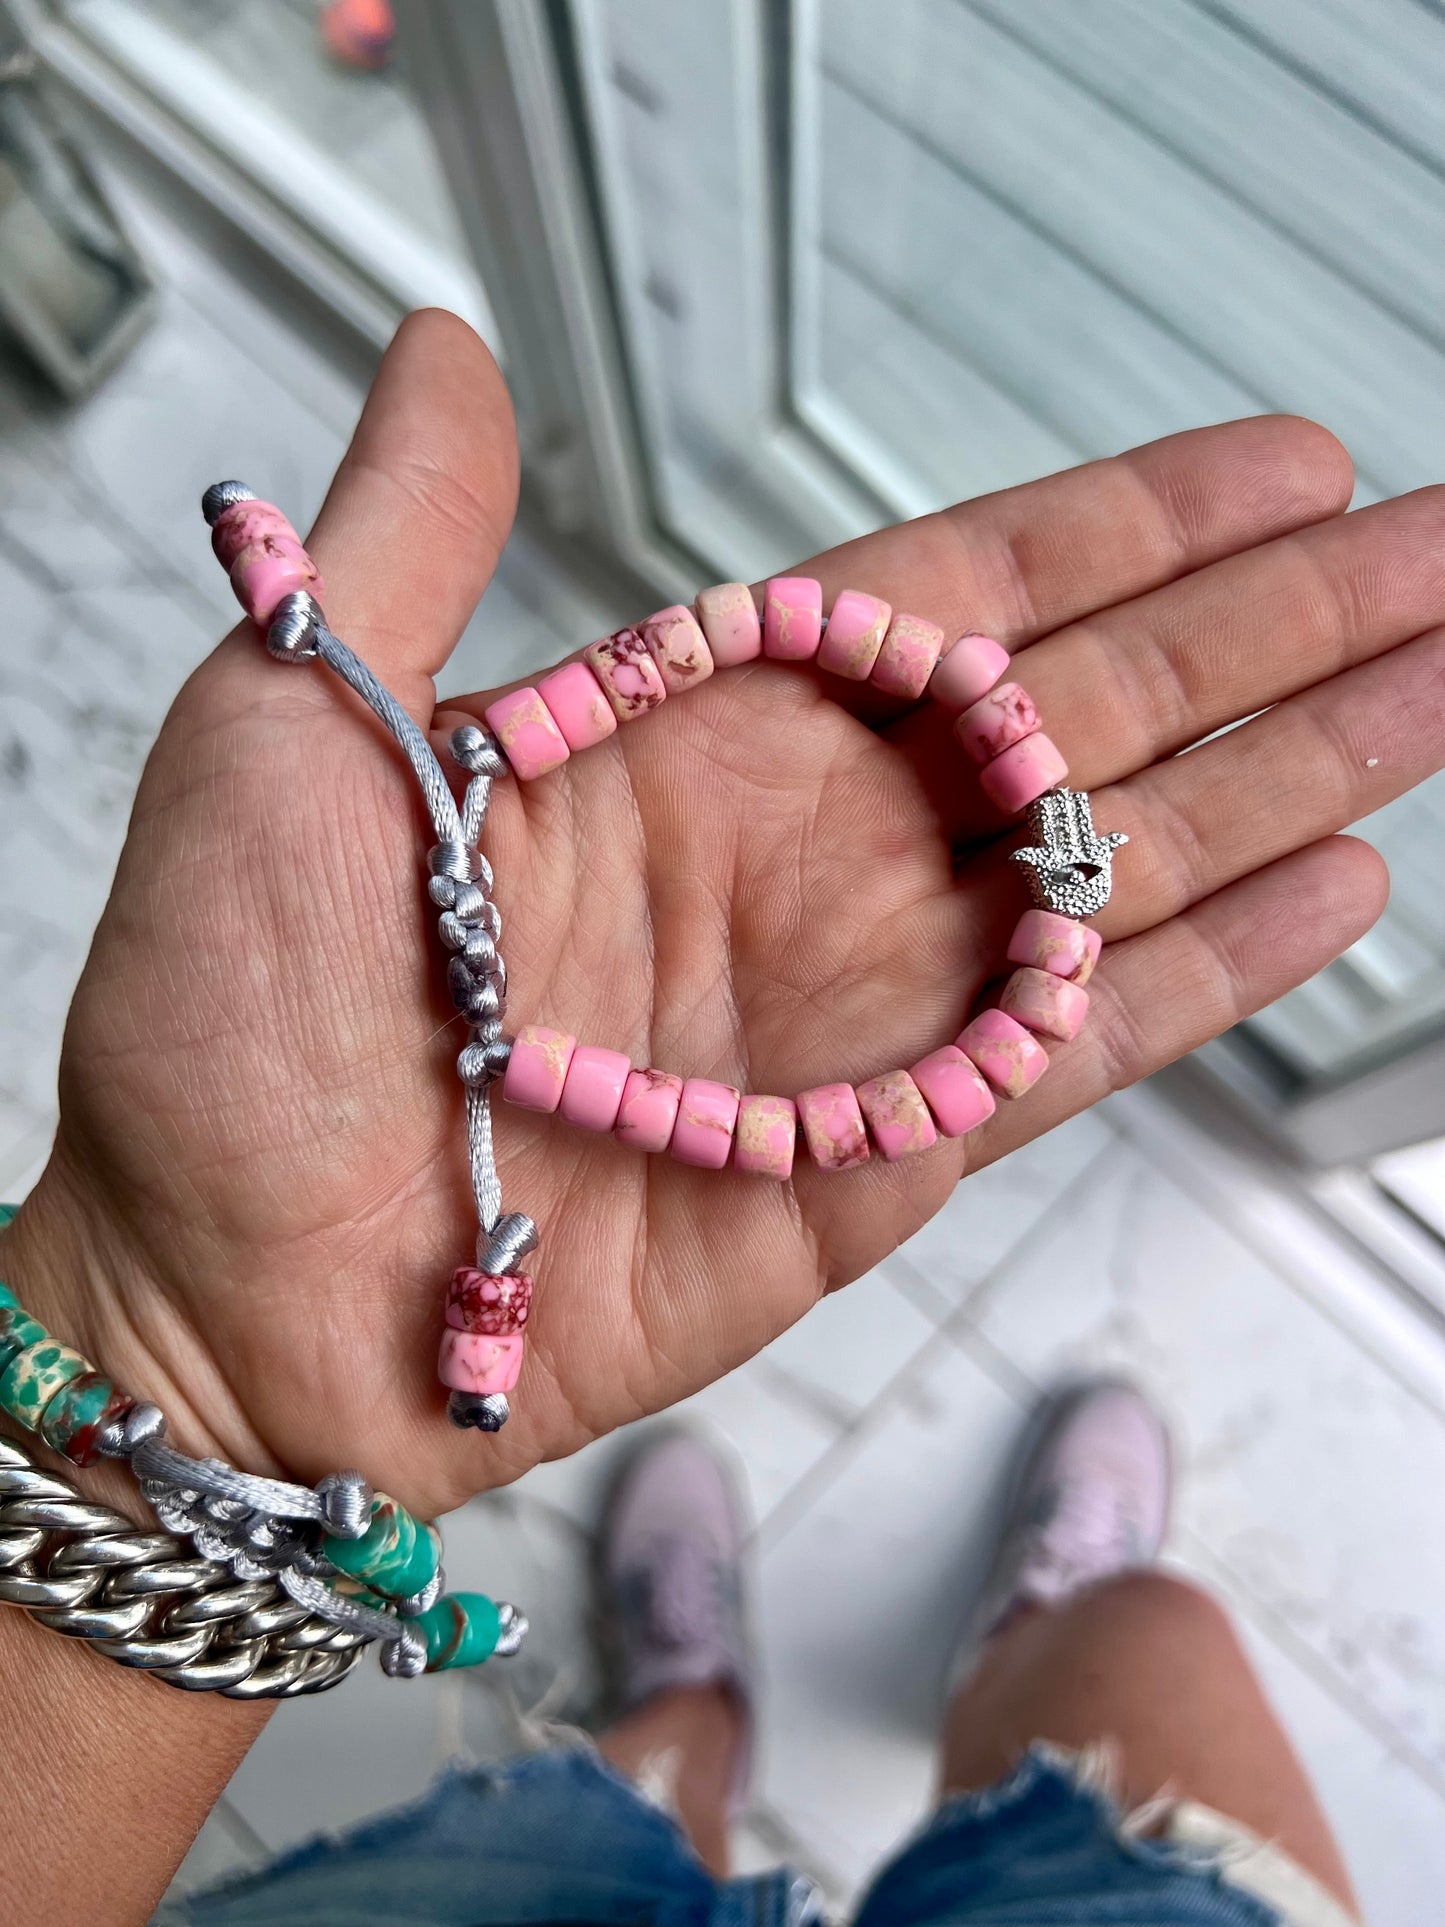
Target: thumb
{"x": 417, "y": 514}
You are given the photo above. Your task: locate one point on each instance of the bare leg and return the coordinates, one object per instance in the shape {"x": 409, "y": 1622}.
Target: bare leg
{"x": 684, "y": 1744}
{"x": 1152, "y": 1665}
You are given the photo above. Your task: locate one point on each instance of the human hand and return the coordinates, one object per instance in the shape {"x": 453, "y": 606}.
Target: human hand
{"x": 258, "y": 1190}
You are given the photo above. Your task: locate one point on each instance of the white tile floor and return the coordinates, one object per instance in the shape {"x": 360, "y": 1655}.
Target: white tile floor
{"x": 1310, "y": 1408}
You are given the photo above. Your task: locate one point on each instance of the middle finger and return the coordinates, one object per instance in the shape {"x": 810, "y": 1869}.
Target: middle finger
{"x": 1149, "y": 677}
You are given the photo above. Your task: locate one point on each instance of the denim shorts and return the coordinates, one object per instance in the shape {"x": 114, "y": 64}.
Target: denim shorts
{"x": 558, "y": 1837}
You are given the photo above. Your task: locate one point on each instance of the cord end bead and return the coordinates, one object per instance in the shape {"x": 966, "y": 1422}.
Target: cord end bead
{"x": 486, "y": 1411}
{"x": 223, "y": 495}
{"x": 291, "y": 632}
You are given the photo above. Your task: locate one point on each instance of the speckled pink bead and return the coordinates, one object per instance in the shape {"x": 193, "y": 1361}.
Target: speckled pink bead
{"x": 479, "y": 1362}
{"x": 528, "y": 732}
{"x": 537, "y": 1068}
{"x": 908, "y": 657}
{"x": 967, "y": 671}
{"x": 730, "y": 621}
{"x": 957, "y": 1095}
{"x": 792, "y": 618}
{"x": 579, "y": 707}
{"x": 593, "y": 1090}
{"x": 1047, "y": 1004}
{"x": 833, "y": 1125}
{"x": 1051, "y": 942}
{"x": 264, "y": 557}
{"x": 996, "y": 722}
{"x": 897, "y": 1116}
{"x": 1012, "y": 781}
{"x": 855, "y": 633}
{"x": 648, "y": 1110}
{"x": 630, "y": 679}
{"x": 678, "y": 648}
{"x": 1010, "y": 1057}
{"x": 767, "y": 1137}
{"x": 703, "y": 1133}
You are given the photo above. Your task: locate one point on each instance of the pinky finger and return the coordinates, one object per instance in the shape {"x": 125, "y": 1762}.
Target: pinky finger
{"x": 1160, "y": 995}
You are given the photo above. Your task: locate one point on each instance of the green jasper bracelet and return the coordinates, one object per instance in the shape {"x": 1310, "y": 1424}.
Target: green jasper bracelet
{"x": 397, "y": 1554}
{"x": 35, "y": 1375}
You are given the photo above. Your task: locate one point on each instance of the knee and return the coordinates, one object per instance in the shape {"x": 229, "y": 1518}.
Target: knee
{"x": 1153, "y": 1604}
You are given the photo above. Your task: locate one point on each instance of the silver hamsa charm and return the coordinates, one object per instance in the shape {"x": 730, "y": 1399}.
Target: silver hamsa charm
{"x": 1070, "y": 868}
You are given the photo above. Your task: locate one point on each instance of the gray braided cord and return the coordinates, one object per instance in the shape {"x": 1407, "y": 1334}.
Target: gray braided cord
{"x": 146, "y": 1599}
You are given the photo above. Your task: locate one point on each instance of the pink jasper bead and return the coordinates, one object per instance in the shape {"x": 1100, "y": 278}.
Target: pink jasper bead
{"x": 969, "y": 670}
{"x": 1051, "y": 942}
{"x": 678, "y": 648}
{"x": 729, "y": 619}
{"x": 706, "y": 1115}
{"x": 996, "y": 722}
{"x": 908, "y": 657}
{"x": 1014, "y": 780}
{"x": 1011, "y": 1058}
{"x": 593, "y": 1090}
{"x": 958, "y": 1097}
{"x": 630, "y": 679}
{"x": 897, "y": 1115}
{"x": 856, "y": 629}
{"x": 528, "y": 732}
{"x": 833, "y": 1125}
{"x": 491, "y": 1302}
{"x": 767, "y": 1137}
{"x": 1048, "y": 1004}
{"x": 648, "y": 1111}
{"x": 537, "y": 1068}
{"x": 792, "y": 618}
{"x": 478, "y": 1362}
{"x": 264, "y": 557}
{"x": 578, "y": 706}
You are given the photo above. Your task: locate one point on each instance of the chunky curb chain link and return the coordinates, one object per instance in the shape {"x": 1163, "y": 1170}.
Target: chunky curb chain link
{"x": 147, "y": 1600}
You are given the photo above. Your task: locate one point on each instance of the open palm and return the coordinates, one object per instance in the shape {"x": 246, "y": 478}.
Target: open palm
{"x": 258, "y": 1189}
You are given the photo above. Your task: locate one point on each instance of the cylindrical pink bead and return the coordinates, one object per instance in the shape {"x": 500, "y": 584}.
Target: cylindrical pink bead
{"x": 996, "y": 722}
{"x": 537, "y": 1068}
{"x": 630, "y": 679}
{"x": 1010, "y": 1057}
{"x": 729, "y": 619}
{"x": 703, "y": 1133}
{"x": 856, "y": 629}
{"x": 678, "y": 648}
{"x": 1047, "y": 1004}
{"x": 957, "y": 1095}
{"x": 479, "y": 1362}
{"x": 263, "y": 556}
{"x": 528, "y": 732}
{"x": 908, "y": 657}
{"x": 967, "y": 671}
{"x": 1048, "y": 941}
{"x": 1013, "y": 781}
{"x": 648, "y": 1111}
{"x": 792, "y": 618}
{"x": 498, "y": 1304}
{"x": 767, "y": 1136}
{"x": 593, "y": 1090}
{"x": 897, "y": 1116}
{"x": 578, "y": 705}
{"x": 833, "y": 1125}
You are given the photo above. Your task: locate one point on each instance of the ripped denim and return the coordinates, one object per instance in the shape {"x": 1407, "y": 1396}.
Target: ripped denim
{"x": 559, "y": 1837}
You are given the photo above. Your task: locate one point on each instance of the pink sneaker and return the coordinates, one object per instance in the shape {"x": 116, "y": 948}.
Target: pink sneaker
{"x": 672, "y": 1571}
{"x": 1090, "y": 1499}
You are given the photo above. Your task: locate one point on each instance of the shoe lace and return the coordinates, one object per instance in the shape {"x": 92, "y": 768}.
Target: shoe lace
{"x": 1081, "y": 1527}
{"x": 683, "y": 1592}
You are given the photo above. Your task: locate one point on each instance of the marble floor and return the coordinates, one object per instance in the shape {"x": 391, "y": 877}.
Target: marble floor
{"x": 1309, "y": 1400}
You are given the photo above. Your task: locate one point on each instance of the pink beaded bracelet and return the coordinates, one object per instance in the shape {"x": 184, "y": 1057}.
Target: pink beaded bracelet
{"x": 948, "y": 1093}
{"x": 698, "y": 1120}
